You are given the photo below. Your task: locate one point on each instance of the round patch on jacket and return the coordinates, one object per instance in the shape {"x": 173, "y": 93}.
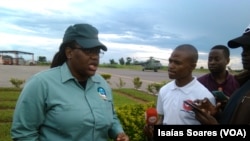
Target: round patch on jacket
{"x": 102, "y": 93}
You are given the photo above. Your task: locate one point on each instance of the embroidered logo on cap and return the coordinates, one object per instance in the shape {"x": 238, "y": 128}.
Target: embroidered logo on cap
{"x": 102, "y": 93}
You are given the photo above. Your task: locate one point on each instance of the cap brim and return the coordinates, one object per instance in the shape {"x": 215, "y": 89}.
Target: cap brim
{"x": 239, "y": 41}
{"x": 91, "y": 43}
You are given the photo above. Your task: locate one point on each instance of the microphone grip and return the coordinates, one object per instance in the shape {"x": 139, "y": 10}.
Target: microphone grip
{"x": 151, "y": 116}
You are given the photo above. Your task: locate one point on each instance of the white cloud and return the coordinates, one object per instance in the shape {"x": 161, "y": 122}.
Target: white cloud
{"x": 36, "y": 5}
{"x": 129, "y": 28}
{"x": 108, "y": 37}
{"x": 29, "y": 43}
{"x": 14, "y": 28}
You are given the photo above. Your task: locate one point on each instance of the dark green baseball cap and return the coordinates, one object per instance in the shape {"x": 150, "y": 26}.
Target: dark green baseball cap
{"x": 84, "y": 34}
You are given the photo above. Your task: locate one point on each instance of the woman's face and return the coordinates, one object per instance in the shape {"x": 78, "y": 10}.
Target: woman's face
{"x": 83, "y": 62}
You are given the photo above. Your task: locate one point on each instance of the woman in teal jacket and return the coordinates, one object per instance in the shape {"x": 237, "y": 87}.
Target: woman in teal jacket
{"x": 69, "y": 102}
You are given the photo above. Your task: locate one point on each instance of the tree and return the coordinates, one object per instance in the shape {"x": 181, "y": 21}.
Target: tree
{"x": 121, "y": 61}
{"x": 129, "y": 59}
{"x": 42, "y": 59}
{"x": 112, "y": 61}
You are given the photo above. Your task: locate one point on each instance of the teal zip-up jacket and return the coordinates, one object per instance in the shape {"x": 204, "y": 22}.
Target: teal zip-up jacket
{"x": 53, "y": 106}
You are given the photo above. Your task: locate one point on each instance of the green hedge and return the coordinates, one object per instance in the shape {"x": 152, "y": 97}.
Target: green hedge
{"x": 130, "y": 113}
{"x": 132, "y": 118}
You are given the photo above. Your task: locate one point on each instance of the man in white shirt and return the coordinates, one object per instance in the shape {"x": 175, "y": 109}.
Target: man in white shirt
{"x": 170, "y": 104}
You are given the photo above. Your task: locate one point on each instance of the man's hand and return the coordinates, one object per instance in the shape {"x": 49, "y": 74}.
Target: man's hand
{"x": 207, "y": 111}
{"x": 149, "y": 131}
{"x": 205, "y": 117}
{"x": 207, "y": 106}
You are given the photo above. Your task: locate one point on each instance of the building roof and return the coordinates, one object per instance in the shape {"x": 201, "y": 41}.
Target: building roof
{"x": 15, "y": 52}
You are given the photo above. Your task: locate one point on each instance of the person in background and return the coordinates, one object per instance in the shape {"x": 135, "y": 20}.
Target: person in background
{"x": 219, "y": 79}
{"x": 237, "y": 110}
{"x": 171, "y": 108}
{"x": 69, "y": 102}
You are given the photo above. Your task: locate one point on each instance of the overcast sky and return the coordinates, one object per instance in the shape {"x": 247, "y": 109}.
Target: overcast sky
{"x": 129, "y": 28}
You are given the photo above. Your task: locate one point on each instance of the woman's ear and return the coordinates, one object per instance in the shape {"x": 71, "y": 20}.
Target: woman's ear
{"x": 68, "y": 52}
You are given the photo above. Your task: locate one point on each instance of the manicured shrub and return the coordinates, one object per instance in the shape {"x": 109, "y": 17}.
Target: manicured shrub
{"x": 106, "y": 76}
{"x": 17, "y": 82}
{"x": 137, "y": 82}
{"x": 132, "y": 118}
{"x": 121, "y": 83}
{"x": 154, "y": 88}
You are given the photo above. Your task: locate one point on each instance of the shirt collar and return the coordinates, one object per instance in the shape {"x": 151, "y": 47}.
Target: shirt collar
{"x": 67, "y": 75}
{"x": 212, "y": 77}
{"x": 187, "y": 88}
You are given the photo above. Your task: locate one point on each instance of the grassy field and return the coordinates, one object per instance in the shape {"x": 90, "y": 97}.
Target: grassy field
{"x": 9, "y": 96}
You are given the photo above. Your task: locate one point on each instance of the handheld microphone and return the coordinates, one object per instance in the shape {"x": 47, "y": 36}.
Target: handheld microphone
{"x": 151, "y": 116}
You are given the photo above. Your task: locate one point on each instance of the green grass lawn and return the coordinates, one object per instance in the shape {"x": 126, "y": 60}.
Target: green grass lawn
{"x": 9, "y": 96}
